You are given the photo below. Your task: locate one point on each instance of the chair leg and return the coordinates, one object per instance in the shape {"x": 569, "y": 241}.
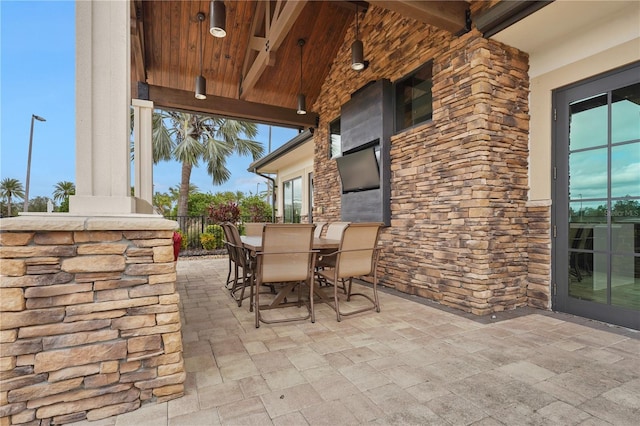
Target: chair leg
{"x": 348, "y": 293}
{"x": 256, "y": 304}
{"x": 229, "y": 276}
{"x": 375, "y": 290}
{"x": 246, "y": 280}
{"x": 335, "y": 297}
{"x": 251, "y": 292}
{"x": 311, "y": 284}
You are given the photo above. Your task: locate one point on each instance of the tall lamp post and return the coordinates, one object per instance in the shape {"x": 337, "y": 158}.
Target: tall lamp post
{"x": 26, "y": 189}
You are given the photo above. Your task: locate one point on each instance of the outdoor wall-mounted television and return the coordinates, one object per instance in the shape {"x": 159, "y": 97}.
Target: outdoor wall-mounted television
{"x": 359, "y": 170}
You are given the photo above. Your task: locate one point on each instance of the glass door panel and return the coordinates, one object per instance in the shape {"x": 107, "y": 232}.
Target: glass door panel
{"x": 625, "y": 164}
{"x": 625, "y": 114}
{"x": 598, "y": 157}
{"x": 588, "y": 125}
{"x": 588, "y": 179}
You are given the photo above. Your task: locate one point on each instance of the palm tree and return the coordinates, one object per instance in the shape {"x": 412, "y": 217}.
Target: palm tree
{"x": 62, "y": 190}
{"x": 192, "y": 138}
{"x": 174, "y": 193}
{"x": 10, "y": 188}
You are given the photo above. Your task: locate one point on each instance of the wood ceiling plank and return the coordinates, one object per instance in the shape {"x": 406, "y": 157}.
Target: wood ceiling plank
{"x": 175, "y": 30}
{"x": 242, "y": 28}
{"x": 137, "y": 41}
{"x": 226, "y": 78}
{"x": 189, "y": 52}
{"x": 151, "y": 17}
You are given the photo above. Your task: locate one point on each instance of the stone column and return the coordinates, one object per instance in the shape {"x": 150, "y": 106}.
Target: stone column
{"x": 103, "y": 75}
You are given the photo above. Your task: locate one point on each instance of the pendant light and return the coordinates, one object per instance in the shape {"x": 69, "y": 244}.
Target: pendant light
{"x": 357, "y": 50}
{"x": 302, "y": 109}
{"x": 217, "y": 18}
{"x": 201, "y": 82}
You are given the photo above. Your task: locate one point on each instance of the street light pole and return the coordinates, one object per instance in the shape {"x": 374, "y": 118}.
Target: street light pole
{"x": 25, "y": 208}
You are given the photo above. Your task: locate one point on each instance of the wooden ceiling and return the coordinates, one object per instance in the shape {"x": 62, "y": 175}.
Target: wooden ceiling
{"x": 254, "y": 72}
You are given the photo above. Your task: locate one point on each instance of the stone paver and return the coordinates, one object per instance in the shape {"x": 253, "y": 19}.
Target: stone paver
{"x": 413, "y": 364}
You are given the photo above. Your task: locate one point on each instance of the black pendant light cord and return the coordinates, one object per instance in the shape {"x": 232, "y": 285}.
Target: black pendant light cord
{"x": 301, "y": 43}
{"x": 356, "y": 22}
{"x": 201, "y": 47}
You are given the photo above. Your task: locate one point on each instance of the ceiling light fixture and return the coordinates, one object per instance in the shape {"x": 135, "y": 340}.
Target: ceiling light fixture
{"x": 357, "y": 50}
{"x": 201, "y": 82}
{"x": 217, "y": 18}
{"x": 302, "y": 109}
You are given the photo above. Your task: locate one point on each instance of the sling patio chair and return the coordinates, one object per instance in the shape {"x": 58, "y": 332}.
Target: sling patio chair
{"x": 319, "y": 228}
{"x": 286, "y": 260}
{"x": 243, "y": 268}
{"x": 357, "y": 256}
{"x": 253, "y": 229}
{"x": 228, "y": 245}
{"x": 334, "y": 232}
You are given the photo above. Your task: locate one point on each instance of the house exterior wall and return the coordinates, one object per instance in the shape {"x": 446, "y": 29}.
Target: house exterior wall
{"x": 459, "y": 183}
{"x": 299, "y": 169}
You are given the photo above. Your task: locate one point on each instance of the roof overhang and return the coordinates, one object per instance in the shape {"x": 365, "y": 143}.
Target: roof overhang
{"x": 551, "y": 23}
{"x": 296, "y": 150}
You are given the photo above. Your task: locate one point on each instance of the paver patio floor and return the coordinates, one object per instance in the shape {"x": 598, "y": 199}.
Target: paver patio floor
{"x": 415, "y": 363}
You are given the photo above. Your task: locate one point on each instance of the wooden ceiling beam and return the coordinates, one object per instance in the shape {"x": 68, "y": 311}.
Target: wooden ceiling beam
{"x": 447, "y": 15}
{"x": 164, "y": 97}
{"x": 137, "y": 41}
{"x": 278, "y": 23}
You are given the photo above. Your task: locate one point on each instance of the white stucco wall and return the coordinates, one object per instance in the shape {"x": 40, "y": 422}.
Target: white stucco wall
{"x": 300, "y": 169}
{"x": 611, "y": 42}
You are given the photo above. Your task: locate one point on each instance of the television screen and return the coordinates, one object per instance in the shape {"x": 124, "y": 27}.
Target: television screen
{"x": 359, "y": 170}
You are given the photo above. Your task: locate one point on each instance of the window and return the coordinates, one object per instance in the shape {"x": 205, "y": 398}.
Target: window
{"x": 335, "y": 145}
{"x": 413, "y": 98}
{"x": 292, "y": 199}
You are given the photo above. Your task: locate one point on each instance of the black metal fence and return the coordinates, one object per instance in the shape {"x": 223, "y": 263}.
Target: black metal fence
{"x": 191, "y": 227}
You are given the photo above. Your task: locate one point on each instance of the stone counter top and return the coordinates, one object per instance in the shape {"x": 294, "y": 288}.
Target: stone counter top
{"x": 68, "y": 222}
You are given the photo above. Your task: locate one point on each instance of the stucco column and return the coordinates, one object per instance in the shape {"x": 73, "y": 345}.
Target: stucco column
{"x": 143, "y": 150}
{"x": 103, "y": 75}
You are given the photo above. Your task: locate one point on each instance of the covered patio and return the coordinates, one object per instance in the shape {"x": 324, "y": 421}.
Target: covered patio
{"x": 416, "y": 362}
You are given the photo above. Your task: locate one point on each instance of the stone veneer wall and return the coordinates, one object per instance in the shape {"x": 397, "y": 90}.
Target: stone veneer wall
{"x": 539, "y": 278}
{"x": 89, "y": 319}
{"x": 459, "y": 219}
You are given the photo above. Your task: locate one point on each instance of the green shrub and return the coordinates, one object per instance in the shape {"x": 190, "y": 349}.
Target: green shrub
{"x": 212, "y": 238}
{"x": 255, "y": 209}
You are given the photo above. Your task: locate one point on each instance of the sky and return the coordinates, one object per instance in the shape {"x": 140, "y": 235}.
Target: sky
{"x": 37, "y": 76}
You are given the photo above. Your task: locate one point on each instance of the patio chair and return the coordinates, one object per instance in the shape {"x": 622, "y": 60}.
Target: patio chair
{"x": 356, "y": 257}
{"x": 334, "y": 232}
{"x": 286, "y": 261}
{"x": 241, "y": 263}
{"x": 253, "y": 229}
{"x": 319, "y": 228}
{"x": 231, "y": 252}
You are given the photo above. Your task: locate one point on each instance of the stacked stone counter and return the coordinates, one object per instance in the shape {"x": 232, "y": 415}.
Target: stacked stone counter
{"x": 89, "y": 319}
